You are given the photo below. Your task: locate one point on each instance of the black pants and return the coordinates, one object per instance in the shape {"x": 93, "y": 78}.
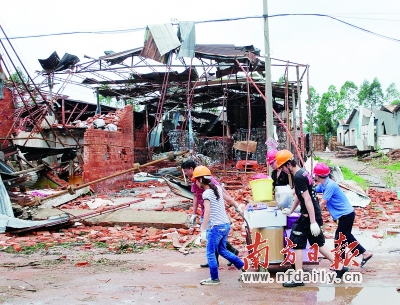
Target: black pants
{"x": 229, "y": 247}
{"x": 345, "y": 225}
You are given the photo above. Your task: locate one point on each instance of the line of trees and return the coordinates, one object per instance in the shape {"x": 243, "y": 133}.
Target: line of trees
{"x": 330, "y": 107}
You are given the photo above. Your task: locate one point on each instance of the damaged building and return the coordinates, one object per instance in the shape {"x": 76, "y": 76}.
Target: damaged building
{"x": 171, "y": 95}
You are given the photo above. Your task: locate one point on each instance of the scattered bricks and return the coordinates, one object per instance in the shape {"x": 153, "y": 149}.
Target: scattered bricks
{"x": 152, "y": 231}
{"x": 104, "y": 239}
{"x": 76, "y": 231}
{"x": 29, "y": 244}
{"x": 165, "y": 241}
{"x": 82, "y": 264}
{"x": 377, "y": 236}
{"x": 17, "y": 247}
{"x": 43, "y": 239}
{"x": 183, "y": 231}
{"x": 392, "y": 232}
{"x": 159, "y": 208}
{"x": 21, "y": 239}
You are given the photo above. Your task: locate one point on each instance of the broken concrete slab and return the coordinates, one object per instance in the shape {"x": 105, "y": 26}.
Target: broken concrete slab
{"x": 159, "y": 195}
{"x": 160, "y": 220}
{"x": 154, "y": 203}
{"x": 64, "y": 198}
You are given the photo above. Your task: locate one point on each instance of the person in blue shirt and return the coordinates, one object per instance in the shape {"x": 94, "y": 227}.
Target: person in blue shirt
{"x": 339, "y": 207}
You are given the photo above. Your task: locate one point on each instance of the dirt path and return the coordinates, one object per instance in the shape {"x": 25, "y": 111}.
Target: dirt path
{"x": 161, "y": 276}
{"x": 365, "y": 170}
{"x": 76, "y": 275}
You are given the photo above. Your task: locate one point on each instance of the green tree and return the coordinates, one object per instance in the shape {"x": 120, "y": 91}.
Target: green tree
{"x": 392, "y": 94}
{"x": 395, "y": 102}
{"x": 376, "y": 94}
{"x": 19, "y": 77}
{"x": 281, "y": 80}
{"x": 370, "y": 94}
{"x": 329, "y": 111}
{"x": 348, "y": 97}
{"x": 364, "y": 92}
{"x": 105, "y": 100}
{"x": 312, "y": 108}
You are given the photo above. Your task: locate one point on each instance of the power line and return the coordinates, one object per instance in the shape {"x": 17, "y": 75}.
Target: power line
{"x": 215, "y": 20}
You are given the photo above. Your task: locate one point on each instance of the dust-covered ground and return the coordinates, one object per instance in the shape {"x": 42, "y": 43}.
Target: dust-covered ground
{"x": 75, "y": 275}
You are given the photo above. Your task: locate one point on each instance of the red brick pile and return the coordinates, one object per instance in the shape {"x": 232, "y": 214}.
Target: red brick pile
{"x": 384, "y": 209}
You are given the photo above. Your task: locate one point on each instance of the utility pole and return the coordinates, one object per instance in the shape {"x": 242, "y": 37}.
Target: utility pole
{"x": 268, "y": 87}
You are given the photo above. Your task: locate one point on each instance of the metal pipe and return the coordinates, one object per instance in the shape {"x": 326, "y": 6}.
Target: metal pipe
{"x": 109, "y": 177}
{"x": 78, "y": 217}
{"x": 276, "y": 114}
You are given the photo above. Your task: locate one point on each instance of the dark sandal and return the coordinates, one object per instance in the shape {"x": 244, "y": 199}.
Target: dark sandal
{"x": 365, "y": 260}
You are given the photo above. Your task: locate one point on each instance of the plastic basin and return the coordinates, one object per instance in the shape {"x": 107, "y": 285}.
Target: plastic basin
{"x": 261, "y": 189}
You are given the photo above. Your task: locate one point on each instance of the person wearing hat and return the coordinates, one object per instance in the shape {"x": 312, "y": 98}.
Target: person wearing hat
{"x": 215, "y": 226}
{"x": 308, "y": 225}
{"x": 188, "y": 168}
{"x": 340, "y": 209}
{"x": 278, "y": 175}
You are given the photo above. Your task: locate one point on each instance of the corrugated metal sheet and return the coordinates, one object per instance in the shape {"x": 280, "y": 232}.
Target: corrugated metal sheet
{"x": 5, "y": 202}
{"x": 187, "y": 35}
{"x": 228, "y": 52}
{"x": 50, "y": 63}
{"x": 15, "y": 223}
{"x": 164, "y": 37}
{"x": 150, "y": 49}
{"x": 355, "y": 194}
{"x": 115, "y": 58}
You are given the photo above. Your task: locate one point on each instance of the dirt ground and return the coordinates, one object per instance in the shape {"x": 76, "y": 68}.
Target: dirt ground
{"x": 80, "y": 275}
{"x": 375, "y": 176}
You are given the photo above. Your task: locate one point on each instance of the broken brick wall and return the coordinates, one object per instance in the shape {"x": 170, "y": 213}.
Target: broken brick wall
{"x": 140, "y": 151}
{"x": 6, "y": 116}
{"x": 109, "y": 152}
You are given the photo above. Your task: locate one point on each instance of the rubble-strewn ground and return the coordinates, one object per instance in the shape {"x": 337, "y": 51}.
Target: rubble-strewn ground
{"x": 128, "y": 265}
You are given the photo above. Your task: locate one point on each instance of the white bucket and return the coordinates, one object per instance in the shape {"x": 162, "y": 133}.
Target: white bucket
{"x": 283, "y": 192}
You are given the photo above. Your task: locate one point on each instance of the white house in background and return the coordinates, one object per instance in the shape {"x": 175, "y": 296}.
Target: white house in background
{"x": 342, "y": 134}
{"x": 374, "y": 128}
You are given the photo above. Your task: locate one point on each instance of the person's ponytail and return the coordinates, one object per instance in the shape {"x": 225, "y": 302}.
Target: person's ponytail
{"x": 212, "y": 186}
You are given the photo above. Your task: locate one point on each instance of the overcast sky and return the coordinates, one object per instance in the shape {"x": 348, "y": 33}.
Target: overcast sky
{"x": 336, "y": 52}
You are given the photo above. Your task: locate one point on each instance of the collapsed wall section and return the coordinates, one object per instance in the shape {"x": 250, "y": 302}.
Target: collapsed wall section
{"x": 108, "y": 152}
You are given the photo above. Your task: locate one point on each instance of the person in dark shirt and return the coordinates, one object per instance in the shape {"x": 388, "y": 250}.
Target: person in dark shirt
{"x": 308, "y": 226}
{"x": 278, "y": 175}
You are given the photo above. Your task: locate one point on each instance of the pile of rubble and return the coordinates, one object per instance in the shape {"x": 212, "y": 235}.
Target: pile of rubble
{"x": 384, "y": 209}
{"x": 346, "y": 151}
{"x": 394, "y": 154}
{"x": 100, "y": 121}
